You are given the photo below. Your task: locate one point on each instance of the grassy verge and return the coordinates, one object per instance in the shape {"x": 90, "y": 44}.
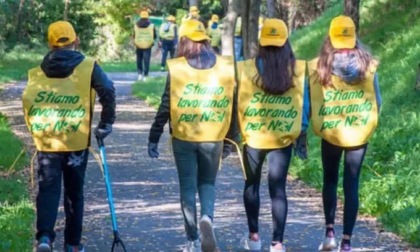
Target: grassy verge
{"x": 16, "y": 211}
{"x": 151, "y": 90}
{"x": 389, "y": 180}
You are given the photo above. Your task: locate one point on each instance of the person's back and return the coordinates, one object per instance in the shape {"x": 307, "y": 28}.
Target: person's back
{"x": 58, "y": 107}
{"x": 144, "y": 39}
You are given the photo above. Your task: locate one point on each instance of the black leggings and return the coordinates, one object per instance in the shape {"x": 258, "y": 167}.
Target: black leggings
{"x": 353, "y": 159}
{"x": 278, "y": 165}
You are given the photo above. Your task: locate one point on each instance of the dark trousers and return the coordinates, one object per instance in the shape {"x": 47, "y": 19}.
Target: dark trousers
{"x": 168, "y": 47}
{"x": 53, "y": 168}
{"x": 353, "y": 159}
{"x": 278, "y": 166}
{"x": 143, "y": 56}
{"x": 197, "y": 164}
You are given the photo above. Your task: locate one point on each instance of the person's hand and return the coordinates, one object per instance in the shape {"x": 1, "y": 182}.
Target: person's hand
{"x": 301, "y": 146}
{"x": 152, "y": 150}
{"x": 227, "y": 149}
{"x": 103, "y": 130}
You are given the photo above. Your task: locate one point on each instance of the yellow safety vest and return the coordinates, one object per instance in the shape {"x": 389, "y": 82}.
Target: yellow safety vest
{"x": 143, "y": 36}
{"x": 169, "y": 34}
{"x": 342, "y": 114}
{"x": 58, "y": 110}
{"x": 201, "y": 99}
{"x": 238, "y": 26}
{"x": 215, "y": 35}
{"x": 269, "y": 121}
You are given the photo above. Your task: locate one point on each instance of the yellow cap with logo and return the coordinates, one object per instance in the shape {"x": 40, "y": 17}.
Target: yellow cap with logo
{"x": 194, "y": 11}
{"x": 342, "y": 32}
{"x": 273, "y": 33}
{"x": 171, "y": 18}
{"x": 215, "y": 18}
{"x": 61, "y": 33}
{"x": 194, "y": 30}
{"x": 144, "y": 14}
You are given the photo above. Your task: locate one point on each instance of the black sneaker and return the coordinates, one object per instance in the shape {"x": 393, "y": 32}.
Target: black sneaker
{"x": 44, "y": 244}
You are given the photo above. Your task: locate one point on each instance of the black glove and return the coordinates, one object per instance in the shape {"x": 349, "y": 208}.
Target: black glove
{"x": 301, "y": 146}
{"x": 227, "y": 149}
{"x": 103, "y": 130}
{"x": 152, "y": 150}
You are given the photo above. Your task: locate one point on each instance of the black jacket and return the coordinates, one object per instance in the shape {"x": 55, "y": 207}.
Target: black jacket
{"x": 61, "y": 63}
{"x": 203, "y": 61}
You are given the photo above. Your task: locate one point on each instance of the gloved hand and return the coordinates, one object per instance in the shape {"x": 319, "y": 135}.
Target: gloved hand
{"x": 301, "y": 146}
{"x": 103, "y": 130}
{"x": 227, "y": 149}
{"x": 152, "y": 150}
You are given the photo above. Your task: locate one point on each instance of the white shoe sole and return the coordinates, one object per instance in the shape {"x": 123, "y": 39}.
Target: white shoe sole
{"x": 43, "y": 248}
{"x": 208, "y": 240}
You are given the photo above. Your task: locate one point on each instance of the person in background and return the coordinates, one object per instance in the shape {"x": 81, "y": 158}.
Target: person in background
{"x": 237, "y": 40}
{"x": 197, "y": 74}
{"x": 62, "y": 139}
{"x": 215, "y": 33}
{"x": 274, "y": 75}
{"x": 343, "y": 78}
{"x": 144, "y": 39}
{"x": 194, "y": 13}
{"x": 168, "y": 35}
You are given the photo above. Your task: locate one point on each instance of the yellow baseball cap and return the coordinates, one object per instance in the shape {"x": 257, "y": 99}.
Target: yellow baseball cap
{"x": 214, "y": 18}
{"x": 194, "y": 8}
{"x": 171, "y": 18}
{"x": 273, "y": 33}
{"x": 61, "y": 33}
{"x": 342, "y": 32}
{"x": 194, "y": 30}
{"x": 144, "y": 14}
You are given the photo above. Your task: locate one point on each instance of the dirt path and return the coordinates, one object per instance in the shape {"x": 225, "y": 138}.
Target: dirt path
{"x": 147, "y": 200}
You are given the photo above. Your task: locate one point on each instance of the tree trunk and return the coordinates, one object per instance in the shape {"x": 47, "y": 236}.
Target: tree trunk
{"x": 18, "y": 24}
{"x": 282, "y": 10}
{"x": 193, "y": 2}
{"x": 229, "y": 21}
{"x": 66, "y": 10}
{"x": 271, "y": 9}
{"x": 250, "y": 15}
{"x": 351, "y": 9}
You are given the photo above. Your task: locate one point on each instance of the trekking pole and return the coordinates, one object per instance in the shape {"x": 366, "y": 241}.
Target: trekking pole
{"x": 117, "y": 241}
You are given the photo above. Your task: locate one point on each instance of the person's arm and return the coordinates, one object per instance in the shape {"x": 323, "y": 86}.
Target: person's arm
{"x": 105, "y": 90}
{"x": 377, "y": 92}
{"x": 162, "y": 115}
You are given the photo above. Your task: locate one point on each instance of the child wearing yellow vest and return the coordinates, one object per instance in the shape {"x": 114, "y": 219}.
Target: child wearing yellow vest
{"x": 273, "y": 106}
{"x": 198, "y": 101}
{"x": 215, "y": 33}
{"x": 345, "y": 101}
{"x": 58, "y": 104}
{"x": 144, "y": 39}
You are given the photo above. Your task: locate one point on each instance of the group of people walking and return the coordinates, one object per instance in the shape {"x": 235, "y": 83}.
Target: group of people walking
{"x": 167, "y": 38}
{"x": 267, "y": 105}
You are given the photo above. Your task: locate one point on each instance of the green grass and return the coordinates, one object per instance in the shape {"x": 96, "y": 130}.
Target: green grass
{"x": 16, "y": 211}
{"x": 390, "y": 174}
{"x": 151, "y": 90}
{"x": 15, "y": 64}
{"x": 114, "y": 67}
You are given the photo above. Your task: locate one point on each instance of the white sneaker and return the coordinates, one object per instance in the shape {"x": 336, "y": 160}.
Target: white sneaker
{"x": 208, "y": 239}
{"x": 140, "y": 77}
{"x": 329, "y": 243}
{"x": 272, "y": 249}
{"x": 249, "y": 244}
{"x": 192, "y": 246}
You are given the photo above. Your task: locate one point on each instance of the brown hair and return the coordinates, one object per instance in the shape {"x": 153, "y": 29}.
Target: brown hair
{"x": 191, "y": 49}
{"x": 326, "y": 57}
{"x": 278, "y": 65}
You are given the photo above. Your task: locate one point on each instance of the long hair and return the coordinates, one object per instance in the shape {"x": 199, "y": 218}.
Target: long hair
{"x": 191, "y": 49}
{"x": 278, "y": 65}
{"x": 326, "y": 57}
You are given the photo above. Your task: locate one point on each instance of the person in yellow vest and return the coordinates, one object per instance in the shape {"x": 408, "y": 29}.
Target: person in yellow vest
{"x": 345, "y": 101}
{"x": 238, "y": 42}
{"x": 58, "y": 104}
{"x": 168, "y": 36}
{"x": 194, "y": 13}
{"x": 215, "y": 33}
{"x": 144, "y": 39}
{"x": 273, "y": 109}
{"x": 198, "y": 102}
